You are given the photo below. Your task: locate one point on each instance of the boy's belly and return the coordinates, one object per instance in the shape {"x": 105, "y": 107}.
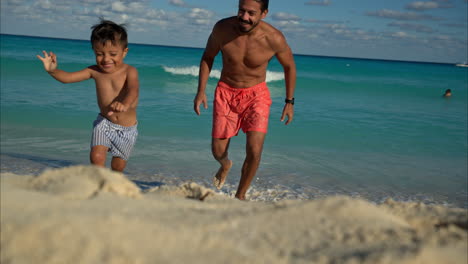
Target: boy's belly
{"x": 127, "y": 118}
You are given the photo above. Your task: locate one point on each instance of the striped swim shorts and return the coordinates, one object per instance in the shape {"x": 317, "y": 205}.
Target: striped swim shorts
{"x": 240, "y": 108}
{"x": 119, "y": 139}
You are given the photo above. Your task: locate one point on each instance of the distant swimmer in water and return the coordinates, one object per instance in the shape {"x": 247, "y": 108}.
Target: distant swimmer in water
{"x": 447, "y": 93}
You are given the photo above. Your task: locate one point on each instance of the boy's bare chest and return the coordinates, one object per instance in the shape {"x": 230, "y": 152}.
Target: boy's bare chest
{"x": 110, "y": 83}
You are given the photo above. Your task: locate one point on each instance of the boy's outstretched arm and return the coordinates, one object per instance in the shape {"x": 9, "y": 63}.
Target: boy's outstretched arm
{"x": 50, "y": 65}
{"x": 133, "y": 87}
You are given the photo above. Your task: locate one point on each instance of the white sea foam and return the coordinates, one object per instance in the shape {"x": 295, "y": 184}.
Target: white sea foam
{"x": 193, "y": 71}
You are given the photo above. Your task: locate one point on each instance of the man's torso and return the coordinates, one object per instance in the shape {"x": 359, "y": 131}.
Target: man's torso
{"x": 245, "y": 56}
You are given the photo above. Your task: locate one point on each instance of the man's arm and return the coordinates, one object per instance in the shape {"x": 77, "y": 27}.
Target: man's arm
{"x": 286, "y": 58}
{"x": 206, "y": 63}
{"x": 50, "y": 65}
{"x": 133, "y": 89}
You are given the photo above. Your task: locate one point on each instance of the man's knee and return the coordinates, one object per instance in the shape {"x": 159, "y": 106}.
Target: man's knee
{"x": 254, "y": 146}
{"x": 219, "y": 148}
{"x": 254, "y": 151}
{"x": 254, "y": 154}
{"x": 219, "y": 154}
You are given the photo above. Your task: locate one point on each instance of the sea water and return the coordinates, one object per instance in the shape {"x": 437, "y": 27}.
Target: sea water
{"x": 365, "y": 128}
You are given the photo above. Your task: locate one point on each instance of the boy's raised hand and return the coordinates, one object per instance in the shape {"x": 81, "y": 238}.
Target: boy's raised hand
{"x": 49, "y": 60}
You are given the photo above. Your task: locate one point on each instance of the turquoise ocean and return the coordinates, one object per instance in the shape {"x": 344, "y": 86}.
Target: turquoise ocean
{"x": 372, "y": 129}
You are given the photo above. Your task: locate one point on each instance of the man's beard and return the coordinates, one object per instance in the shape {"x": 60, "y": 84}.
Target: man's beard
{"x": 244, "y": 22}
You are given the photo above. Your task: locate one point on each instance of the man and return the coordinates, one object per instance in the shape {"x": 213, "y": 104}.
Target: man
{"x": 242, "y": 99}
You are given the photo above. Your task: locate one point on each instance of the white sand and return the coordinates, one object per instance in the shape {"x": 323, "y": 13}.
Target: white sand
{"x": 88, "y": 215}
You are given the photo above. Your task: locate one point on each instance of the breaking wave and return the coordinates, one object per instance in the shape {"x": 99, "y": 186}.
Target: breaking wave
{"x": 193, "y": 71}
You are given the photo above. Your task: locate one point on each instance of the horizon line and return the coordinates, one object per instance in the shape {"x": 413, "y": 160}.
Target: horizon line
{"x": 295, "y": 54}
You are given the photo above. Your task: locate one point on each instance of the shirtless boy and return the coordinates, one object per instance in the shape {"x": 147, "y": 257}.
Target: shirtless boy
{"x": 242, "y": 99}
{"x": 117, "y": 88}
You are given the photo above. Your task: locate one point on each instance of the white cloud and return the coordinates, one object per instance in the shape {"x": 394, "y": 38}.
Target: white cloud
{"x": 94, "y": 1}
{"x": 443, "y": 37}
{"x": 335, "y": 26}
{"x": 319, "y": 3}
{"x": 119, "y": 7}
{"x": 178, "y": 3}
{"x": 200, "y": 13}
{"x": 51, "y": 6}
{"x": 392, "y": 14}
{"x": 311, "y": 20}
{"x": 200, "y": 16}
{"x": 13, "y": 2}
{"x": 400, "y": 34}
{"x": 281, "y": 16}
{"x": 421, "y": 6}
{"x": 287, "y": 23}
{"x": 156, "y": 14}
{"x": 133, "y": 7}
{"x": 412, "y": 27}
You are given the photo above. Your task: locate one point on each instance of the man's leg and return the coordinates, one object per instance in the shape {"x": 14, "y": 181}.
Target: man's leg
{"x": 254, "y": 148}
{"x": 118, "y": 164}
{"x": 219, "y": 148}
{"x": 98, "y": 155}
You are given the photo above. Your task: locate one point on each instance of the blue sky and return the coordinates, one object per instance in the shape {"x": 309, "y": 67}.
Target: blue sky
{"x": 411, "y": 30}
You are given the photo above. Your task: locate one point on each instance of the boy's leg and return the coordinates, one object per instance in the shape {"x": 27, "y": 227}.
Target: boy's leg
{"x": 219, "y": 149}
{"x": 118, "y": 164}
{"x": 98, "y": 155}
{"x": 254, "y": 148}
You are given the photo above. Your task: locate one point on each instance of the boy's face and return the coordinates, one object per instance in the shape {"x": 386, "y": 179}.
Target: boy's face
{"x": 109, "y": 57}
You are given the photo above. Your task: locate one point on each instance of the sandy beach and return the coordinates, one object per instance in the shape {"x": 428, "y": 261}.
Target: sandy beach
{"x": 84, "y": 214}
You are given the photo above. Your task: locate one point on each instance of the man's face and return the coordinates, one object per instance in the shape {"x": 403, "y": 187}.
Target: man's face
{"x": 249, "y": 15}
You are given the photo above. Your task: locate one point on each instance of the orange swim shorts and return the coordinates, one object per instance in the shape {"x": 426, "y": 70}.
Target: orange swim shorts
{"x": 236, "y": 108}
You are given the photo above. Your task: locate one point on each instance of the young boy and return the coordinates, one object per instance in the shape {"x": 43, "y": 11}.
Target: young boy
{"x": 117, "y": 88}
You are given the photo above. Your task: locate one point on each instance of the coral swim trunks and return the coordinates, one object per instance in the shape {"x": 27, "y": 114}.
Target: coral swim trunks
{"x": 236, "y": 108}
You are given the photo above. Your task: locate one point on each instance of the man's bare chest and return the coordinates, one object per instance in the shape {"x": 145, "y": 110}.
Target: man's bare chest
{"x": 249, "y": 53}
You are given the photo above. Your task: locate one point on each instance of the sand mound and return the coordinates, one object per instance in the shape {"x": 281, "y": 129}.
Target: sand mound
{"x": 187, "y": 190}
{"x": 50, "y": 219}
{"x": 83, "y": 182}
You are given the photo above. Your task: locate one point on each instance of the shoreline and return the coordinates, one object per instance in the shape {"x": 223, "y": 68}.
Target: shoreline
{"x": 94, "y": 215}
{"x": 261, "y": 189}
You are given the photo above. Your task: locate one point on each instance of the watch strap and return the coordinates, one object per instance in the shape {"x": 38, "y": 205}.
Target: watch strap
{"x": 289, "y": 101}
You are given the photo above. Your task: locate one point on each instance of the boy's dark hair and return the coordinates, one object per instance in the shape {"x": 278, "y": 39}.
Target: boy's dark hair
{"x": 107, "y": 30}
{"x": 264, "y": 4}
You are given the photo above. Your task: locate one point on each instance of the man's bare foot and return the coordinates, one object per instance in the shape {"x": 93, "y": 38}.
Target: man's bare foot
{"x": 240, "y": 197}
{"x": 220, "y": 177}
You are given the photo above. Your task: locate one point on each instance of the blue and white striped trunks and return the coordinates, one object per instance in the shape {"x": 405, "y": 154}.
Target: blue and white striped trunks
{"x": 119, "y": 139}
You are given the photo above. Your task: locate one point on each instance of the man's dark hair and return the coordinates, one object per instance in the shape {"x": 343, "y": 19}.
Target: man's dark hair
{"x": 264, "y": 4}
{"x": 107, "y": 30}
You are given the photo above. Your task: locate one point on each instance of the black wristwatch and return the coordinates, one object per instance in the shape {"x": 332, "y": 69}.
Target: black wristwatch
{"x": 289, "y": 101}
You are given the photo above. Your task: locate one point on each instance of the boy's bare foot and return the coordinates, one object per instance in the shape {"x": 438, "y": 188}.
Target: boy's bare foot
{"x": 220, "y": 177}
